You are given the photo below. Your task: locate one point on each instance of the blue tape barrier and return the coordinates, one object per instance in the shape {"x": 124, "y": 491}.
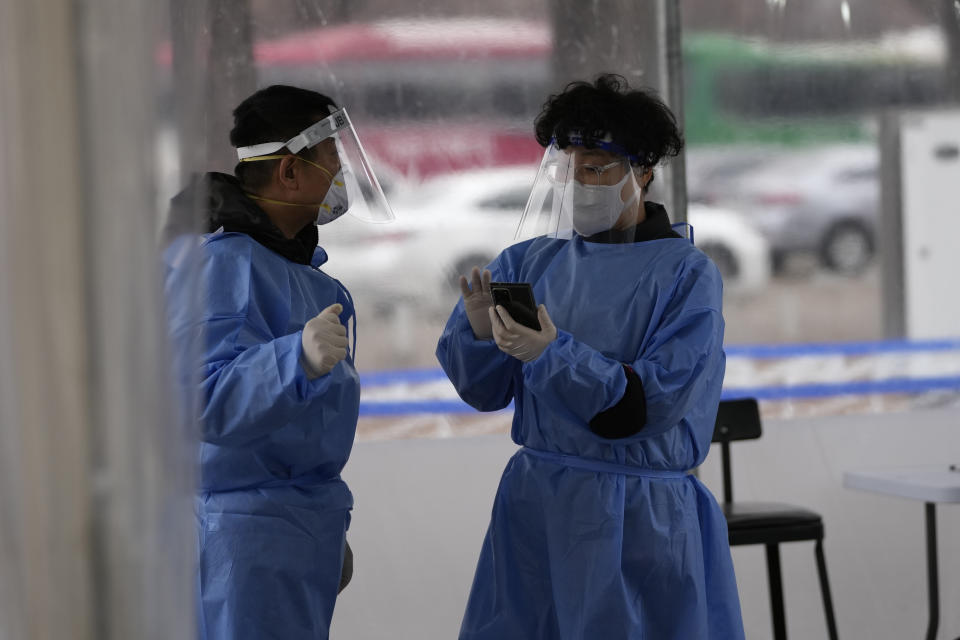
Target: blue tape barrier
{"x": 761, "y": 351}
{"x": 861, "y": 387}
{"x": 378, "y": 409}
{"x": 795, "y": 392}
{"x": 875, "y": 348}
{"x": 401, "y": 376}
{"x": 802, "y": 391}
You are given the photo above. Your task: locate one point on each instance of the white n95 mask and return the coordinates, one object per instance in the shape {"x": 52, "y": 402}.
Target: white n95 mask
{"x": 336, "y": 202}
{"x": 597, "y": 208}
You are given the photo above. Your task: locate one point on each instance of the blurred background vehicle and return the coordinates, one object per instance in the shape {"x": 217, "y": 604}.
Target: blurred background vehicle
{"x": 822, "y": 201}
{"x": 712, "y": 168}
{"x": 450, "y": 223}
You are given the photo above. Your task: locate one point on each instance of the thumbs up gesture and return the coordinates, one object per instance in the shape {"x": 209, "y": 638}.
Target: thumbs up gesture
{"x": 324, "y": 341}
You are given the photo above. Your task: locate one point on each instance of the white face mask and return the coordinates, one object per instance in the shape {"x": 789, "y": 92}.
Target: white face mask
{"x": 336, "y": 202}
{"x": 597, "y": 208}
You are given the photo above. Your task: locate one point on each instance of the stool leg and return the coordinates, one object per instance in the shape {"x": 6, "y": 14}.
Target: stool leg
{"x": 825, "y": 590}
{"x": 776, "y": 592}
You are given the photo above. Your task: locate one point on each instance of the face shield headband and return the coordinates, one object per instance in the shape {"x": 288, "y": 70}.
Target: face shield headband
{"x": 606, "y": 143}
{"x": 306, "y": 139}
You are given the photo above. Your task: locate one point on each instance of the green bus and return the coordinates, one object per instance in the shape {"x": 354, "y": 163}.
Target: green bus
{"x": 739, "y": 90}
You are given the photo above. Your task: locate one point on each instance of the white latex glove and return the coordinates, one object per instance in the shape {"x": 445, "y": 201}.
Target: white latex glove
{"x": 477, "y": 302}
{"x": 514, "y": 339}
{"x": 324, "y": 342}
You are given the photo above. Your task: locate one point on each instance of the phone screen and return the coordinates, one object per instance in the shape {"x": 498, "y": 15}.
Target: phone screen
{"x": 517, "y": 298}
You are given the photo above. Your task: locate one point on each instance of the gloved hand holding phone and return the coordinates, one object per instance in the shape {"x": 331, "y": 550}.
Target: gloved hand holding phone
{"x": 514, "y": 339}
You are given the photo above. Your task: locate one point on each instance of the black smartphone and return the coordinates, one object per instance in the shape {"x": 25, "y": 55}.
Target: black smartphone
{"x": 517, "y": 299}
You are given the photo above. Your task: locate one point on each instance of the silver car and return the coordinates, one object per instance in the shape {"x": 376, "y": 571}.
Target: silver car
{"x": 821, "y": 200}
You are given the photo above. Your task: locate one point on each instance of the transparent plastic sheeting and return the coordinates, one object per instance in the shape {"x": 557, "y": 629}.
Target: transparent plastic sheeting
{"x": 444, "y": 102}
{"x": 96, "y": 466}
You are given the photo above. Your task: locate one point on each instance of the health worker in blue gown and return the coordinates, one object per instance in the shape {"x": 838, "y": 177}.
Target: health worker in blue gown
{"x": 597, "y": 529}
{"x": 266, "y": 337}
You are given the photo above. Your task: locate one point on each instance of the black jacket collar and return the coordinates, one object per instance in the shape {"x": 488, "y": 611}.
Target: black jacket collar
{"x": 219, "y": 200}
{"x": 656, "y": 226}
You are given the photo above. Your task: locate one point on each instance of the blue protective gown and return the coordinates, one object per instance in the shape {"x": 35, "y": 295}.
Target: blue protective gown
{"x": 272, "y": 509}
{"x": 594, "y": 538}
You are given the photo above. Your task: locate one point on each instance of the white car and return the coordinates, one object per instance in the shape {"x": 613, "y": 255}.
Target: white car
{"x": 451, "y": 223}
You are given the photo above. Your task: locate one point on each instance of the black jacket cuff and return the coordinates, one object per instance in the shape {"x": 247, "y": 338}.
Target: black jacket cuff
{"x": 628, "y": 416}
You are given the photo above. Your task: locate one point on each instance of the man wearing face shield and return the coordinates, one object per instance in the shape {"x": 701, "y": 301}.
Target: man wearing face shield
{"x": 598, "y": 530}
{"x": 273, "y": 340}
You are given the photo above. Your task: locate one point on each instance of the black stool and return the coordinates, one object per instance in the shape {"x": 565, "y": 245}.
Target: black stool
{"x": 767, "y": 523}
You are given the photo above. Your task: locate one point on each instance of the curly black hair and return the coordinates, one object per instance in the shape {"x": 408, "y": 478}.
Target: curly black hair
{"x": 276, "y": 113}
{"x": 636, "y": 120}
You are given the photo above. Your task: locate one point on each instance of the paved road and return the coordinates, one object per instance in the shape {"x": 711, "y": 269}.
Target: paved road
{"x": 819, "y": 307}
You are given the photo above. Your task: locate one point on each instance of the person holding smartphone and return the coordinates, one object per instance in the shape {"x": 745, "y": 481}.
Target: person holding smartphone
{"x": 598, "y": 530}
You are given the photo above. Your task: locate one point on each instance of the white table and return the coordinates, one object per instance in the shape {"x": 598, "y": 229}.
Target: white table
{"x": 931, "y": 484}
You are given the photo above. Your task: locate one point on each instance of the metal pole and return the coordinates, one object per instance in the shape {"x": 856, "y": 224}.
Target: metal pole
{"x": 890, "y": 229}
{"x": 213, "y": 70}
{"x": 231, "y": 76}
{"x": 609, "y": 36}
{"x": 671, "y": 87}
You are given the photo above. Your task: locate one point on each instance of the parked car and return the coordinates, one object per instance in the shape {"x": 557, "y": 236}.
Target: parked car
{"x": 822, "y": 201}
{"x": 712, "y": 169}
{"x": 451, "y": 223}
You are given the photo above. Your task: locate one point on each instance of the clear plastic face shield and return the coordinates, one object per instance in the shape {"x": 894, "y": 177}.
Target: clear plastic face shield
{"x": 582, "y": 190}
{"x": 354, "y": 188}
